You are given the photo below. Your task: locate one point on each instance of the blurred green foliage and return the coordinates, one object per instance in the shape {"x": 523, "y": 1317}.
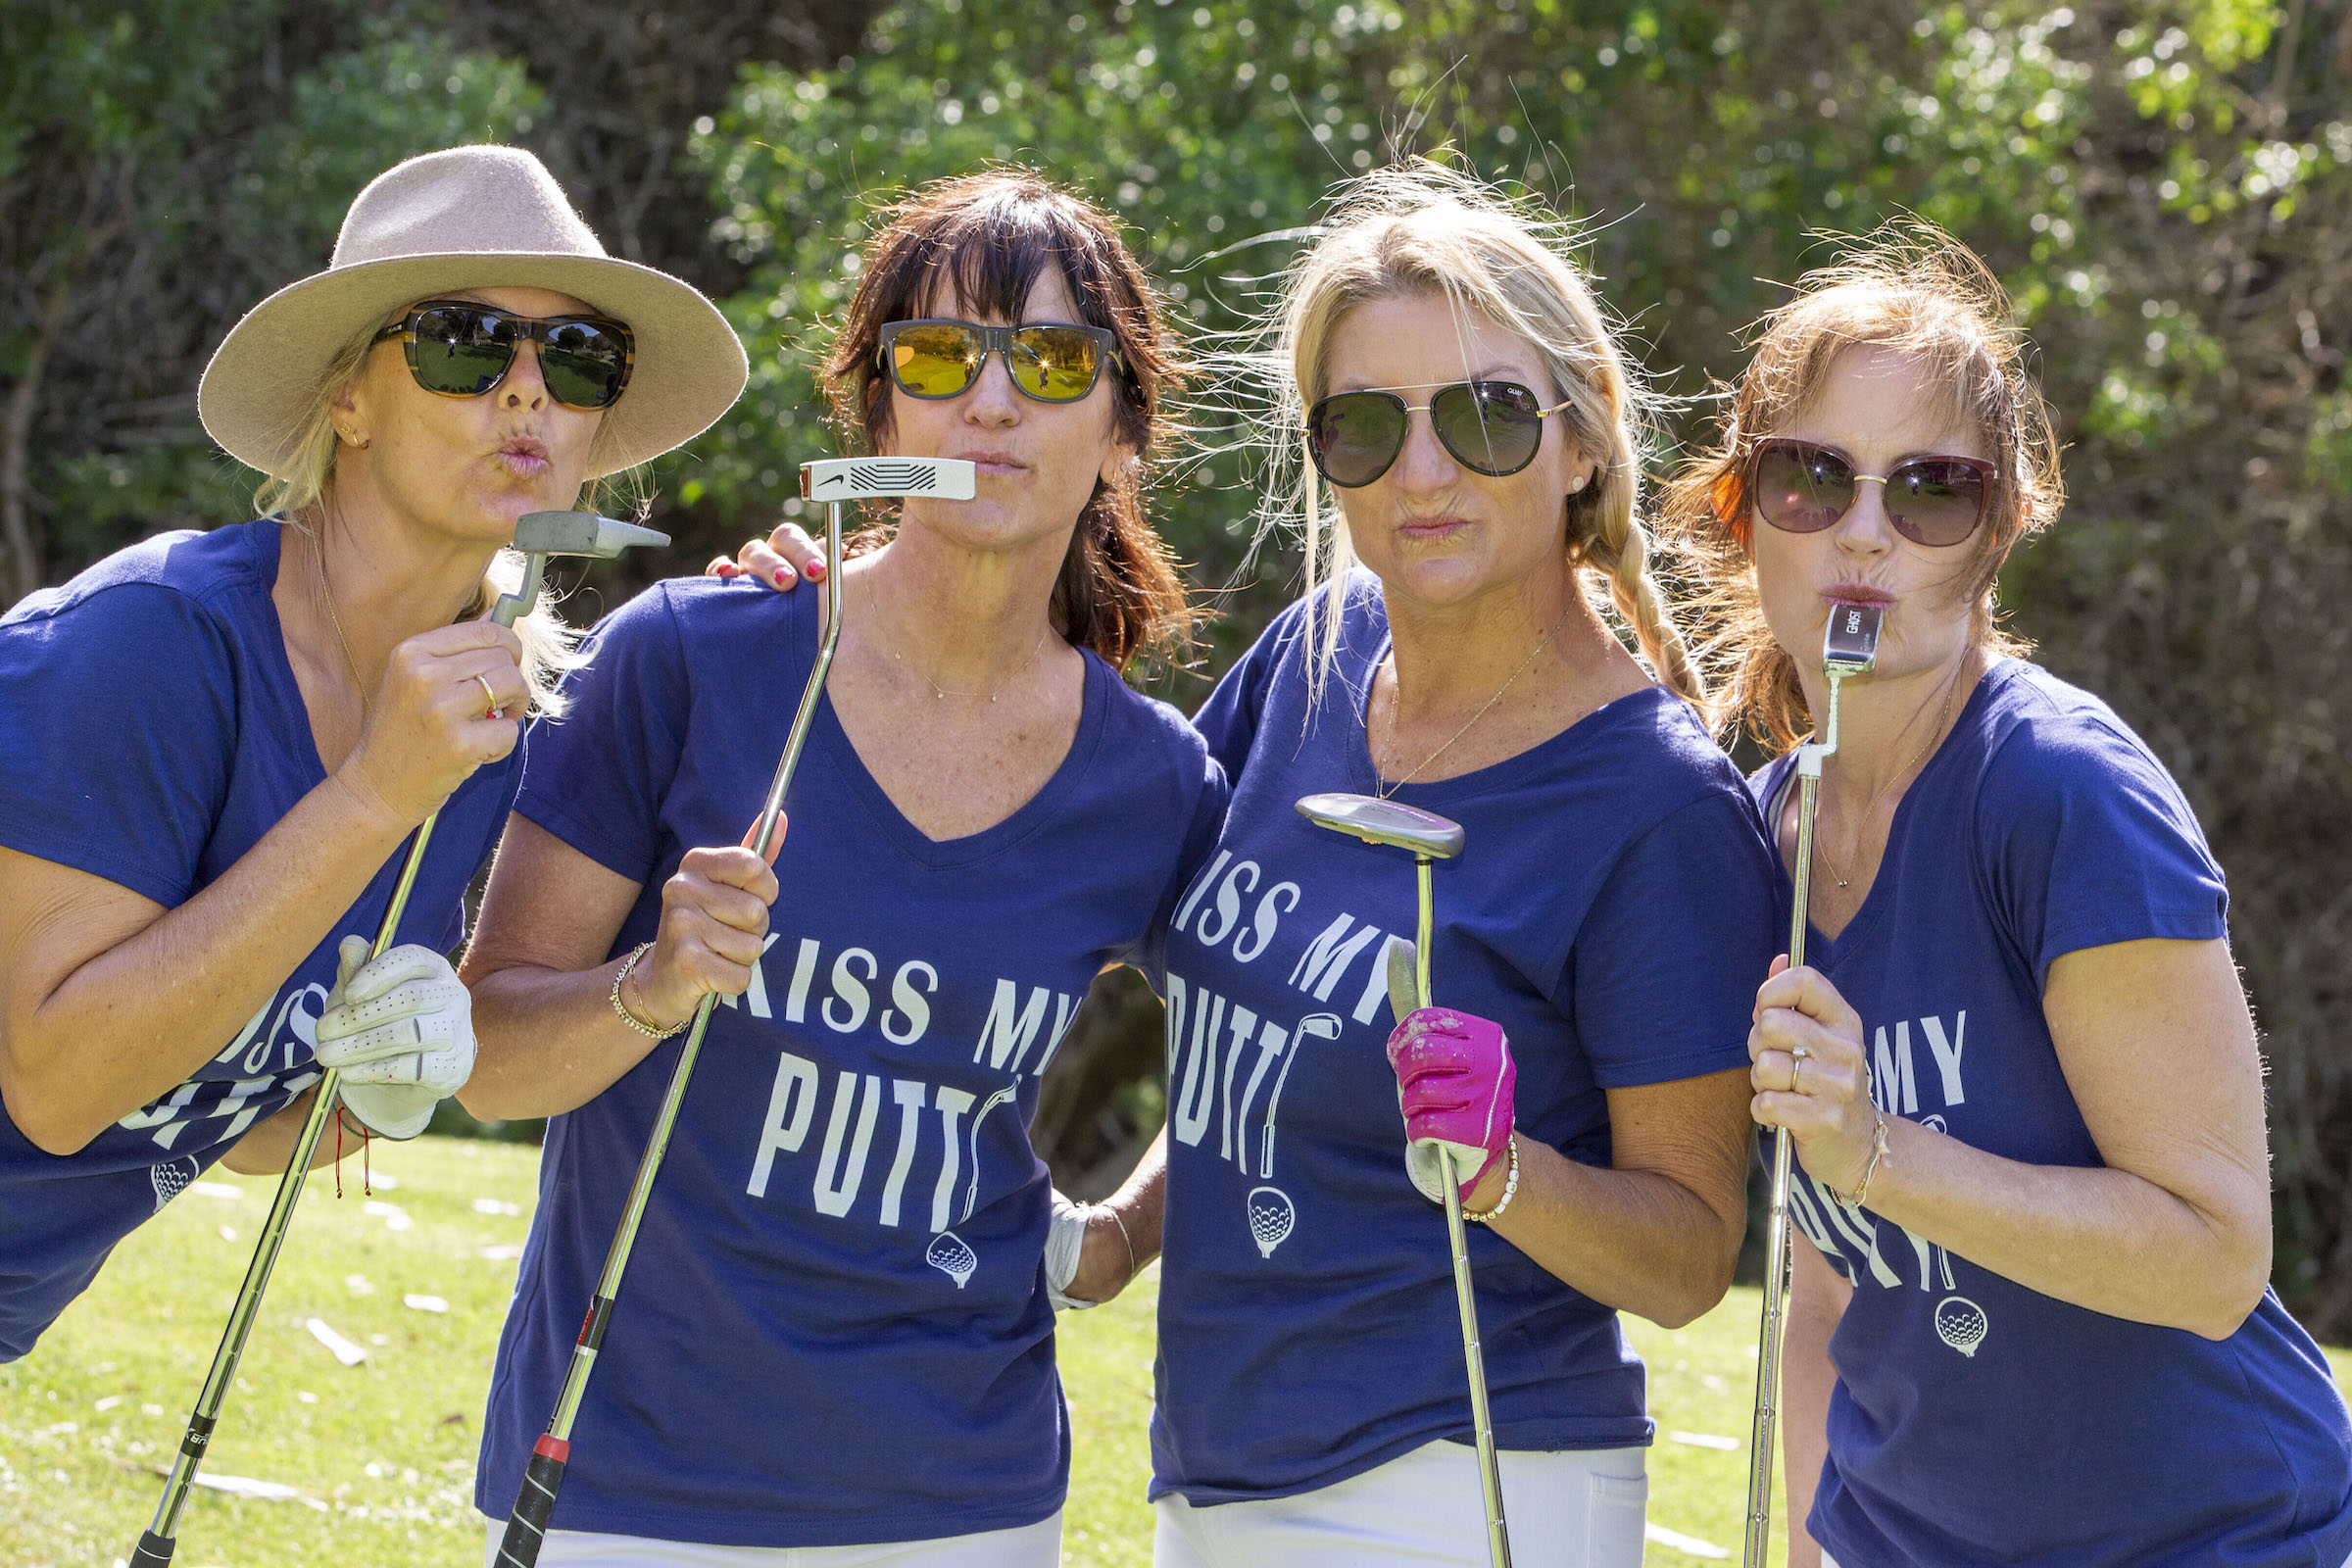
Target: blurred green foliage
{"x": 2166, "y": 185}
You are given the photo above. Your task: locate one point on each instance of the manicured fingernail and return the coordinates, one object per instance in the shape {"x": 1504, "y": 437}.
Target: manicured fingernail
{"x": 783, "y": 575}
{"x": 730, "y": 570}
{"x": 816, "y": 571}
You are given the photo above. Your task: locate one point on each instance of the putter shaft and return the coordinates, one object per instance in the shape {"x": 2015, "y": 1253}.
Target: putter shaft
{"x": 542, "y": 1474}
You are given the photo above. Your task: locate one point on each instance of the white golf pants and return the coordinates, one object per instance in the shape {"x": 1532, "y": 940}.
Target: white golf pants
{"x": 1037, "y": 1545}
{"x": 1569, "y": 1509}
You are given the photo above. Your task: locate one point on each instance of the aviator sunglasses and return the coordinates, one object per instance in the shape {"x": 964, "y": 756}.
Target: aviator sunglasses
{"x": 1052, "y": 362}
{"x": 1804, "y": 487}
{"x": 463, "y": 349}
{"x": 1492, "y": 428}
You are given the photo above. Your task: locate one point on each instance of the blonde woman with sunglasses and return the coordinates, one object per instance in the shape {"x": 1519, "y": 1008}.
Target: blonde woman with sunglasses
{"x": 2033, "y": 1321}
{"x": 213, "y": 745}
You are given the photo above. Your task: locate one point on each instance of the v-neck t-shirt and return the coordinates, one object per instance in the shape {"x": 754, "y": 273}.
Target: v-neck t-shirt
{"x": 1611, "y": 908}
{"x": 1976, "y": 1421}
{"x": 835, "y": 1329}
{"x": 151, "y": 732}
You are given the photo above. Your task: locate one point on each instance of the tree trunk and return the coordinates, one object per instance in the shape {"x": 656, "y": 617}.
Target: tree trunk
{"x": 16, "y": 440}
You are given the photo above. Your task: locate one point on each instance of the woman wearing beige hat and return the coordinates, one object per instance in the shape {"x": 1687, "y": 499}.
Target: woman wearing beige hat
{"x": 213, "y": 745}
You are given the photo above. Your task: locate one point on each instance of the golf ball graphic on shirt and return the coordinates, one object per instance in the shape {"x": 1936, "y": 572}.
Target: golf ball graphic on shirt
{"x": 948, "y": 1255}
{"x": 1271, "y": 1217}
{"x": 1959, "y": 1322}
{"x": 170, "y": 1179}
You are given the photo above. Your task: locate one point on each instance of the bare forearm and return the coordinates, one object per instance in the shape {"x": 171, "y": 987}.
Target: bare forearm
{"x": 265, "y": 1150}
{"x": 548, "y": 1040}
{"x": 127, "y": 1025}
{"x": 2096, "y": 1237}
{"x": 1634, "y": 1240}
{"x": 1142, "y": 1200}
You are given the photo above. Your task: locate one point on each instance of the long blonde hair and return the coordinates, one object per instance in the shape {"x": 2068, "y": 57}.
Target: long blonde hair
{"x": 1913, "y": 290}
{"x": 1424, "y": 230}
{"x": 301, "y": 490}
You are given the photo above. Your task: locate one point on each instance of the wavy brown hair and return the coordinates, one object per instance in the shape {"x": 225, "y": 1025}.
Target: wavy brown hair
{"x": 1913, "y": 290}
{"x": 985, "y": 240}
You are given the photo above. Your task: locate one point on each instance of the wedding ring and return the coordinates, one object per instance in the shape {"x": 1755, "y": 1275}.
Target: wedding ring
{"x": 488, "y": 695}
{"x": 1797, "y": 1068}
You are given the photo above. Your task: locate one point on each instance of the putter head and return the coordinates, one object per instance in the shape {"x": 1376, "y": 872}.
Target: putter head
{"x": 1378, "y": 821}
{"x": 887, "y": 478}
{"x": 1849, "y": 646}
{"x": 1404, "y": 988}
{"x": 580, "y": 533}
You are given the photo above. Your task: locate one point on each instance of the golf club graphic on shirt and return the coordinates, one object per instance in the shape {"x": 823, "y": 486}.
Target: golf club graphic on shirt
{"x": 170, "y": 1178}
{"x": 1271, "y": 1214}
{"x": 1959, "y": 1322}
{"x": 949, "y": 1253}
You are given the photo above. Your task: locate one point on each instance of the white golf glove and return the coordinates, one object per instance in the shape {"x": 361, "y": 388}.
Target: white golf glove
{"x": 1065, "y": 1243}
{"x": 399, "y": 1030}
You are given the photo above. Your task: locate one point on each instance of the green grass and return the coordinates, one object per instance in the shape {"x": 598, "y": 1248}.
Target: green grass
{"x": 383, "y": 1454}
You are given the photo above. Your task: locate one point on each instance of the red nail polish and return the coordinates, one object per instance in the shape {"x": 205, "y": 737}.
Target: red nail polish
{"x": 816, "y": 571}
{"x": 730, "y": 570}
{"x": 781, "y": 575}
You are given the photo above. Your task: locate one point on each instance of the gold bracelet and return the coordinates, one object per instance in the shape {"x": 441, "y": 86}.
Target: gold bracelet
{"x": 628, "y": 1017}
{"x": 1510, "y": 1189}
{"x": 1878, "y": 1150}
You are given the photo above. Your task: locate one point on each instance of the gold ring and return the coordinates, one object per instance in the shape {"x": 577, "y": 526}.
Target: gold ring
{"x": 1797, "y": 1066}
{"x": 489, "y": 695}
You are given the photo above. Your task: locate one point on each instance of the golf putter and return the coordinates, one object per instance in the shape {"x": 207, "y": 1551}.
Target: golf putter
{"x": 834, "y": 481}
{"x": 1430, "y": 837}
{"x": 1849, "y": 646}
{"x": 538, "y": 535}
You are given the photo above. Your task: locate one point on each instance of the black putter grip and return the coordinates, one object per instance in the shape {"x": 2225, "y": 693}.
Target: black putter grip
{"x": 526, "y": 1527}
{"x": 154, "y": 1550}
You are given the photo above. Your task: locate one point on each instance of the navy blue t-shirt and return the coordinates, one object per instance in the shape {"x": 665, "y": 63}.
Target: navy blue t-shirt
{"x": 1976, "y": 1421}
{"x": 1611, "y": 908}
{"x": 835, "y": 1329}
{"x": 150, "y": 733}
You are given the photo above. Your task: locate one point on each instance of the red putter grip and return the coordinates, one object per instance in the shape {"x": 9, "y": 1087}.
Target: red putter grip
{"x": 526, "y": 1527}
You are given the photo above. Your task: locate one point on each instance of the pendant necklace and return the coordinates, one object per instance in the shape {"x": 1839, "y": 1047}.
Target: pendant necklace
{"x": 1397, "y": 686}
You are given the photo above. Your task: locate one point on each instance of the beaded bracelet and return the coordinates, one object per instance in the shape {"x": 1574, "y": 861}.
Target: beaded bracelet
{"x": 1878, "y": 1150}
{"x": 628, "y": 1017}
{"x": 1510, "y": 1189}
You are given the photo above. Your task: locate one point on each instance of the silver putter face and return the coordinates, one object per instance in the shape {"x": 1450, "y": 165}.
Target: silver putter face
{"x": 887, "y": 478}
{"x": 1378, "y": 821}
{"x": 1849, "y": 646}
{"x": 580, "y": 533}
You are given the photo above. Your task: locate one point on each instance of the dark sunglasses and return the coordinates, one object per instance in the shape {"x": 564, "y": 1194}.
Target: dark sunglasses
{"x": 1492, "y": 428}
{"x": 463, "y": 349}
{"x": 1054, "y": 362}
{"x": 1802, "y": 487}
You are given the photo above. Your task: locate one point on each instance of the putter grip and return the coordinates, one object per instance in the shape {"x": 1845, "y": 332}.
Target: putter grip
{"x": 526, "y": 1527}
{"x": 153, "y": 1552}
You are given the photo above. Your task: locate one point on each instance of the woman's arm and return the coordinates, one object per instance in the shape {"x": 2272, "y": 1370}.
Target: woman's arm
{"x": 1817, "y": 1300}
{"x": 108, "y": 1000}
{"x": 2157, "y": 1044}
{"x": 1658, "y": 1232}
{"x": 265, "y": 1150}
{"x": 1122, "y": 1232}
{"x": 549, "y": 1040}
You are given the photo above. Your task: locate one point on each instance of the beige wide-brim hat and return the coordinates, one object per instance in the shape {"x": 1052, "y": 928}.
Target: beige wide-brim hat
{"x": 470, "y": 217}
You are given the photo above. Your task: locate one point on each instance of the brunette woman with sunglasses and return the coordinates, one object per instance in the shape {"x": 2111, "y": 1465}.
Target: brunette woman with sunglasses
{"x": 2033, "y": 1322}
{"x": 213, "y": 745}
{"x": 837, "y": 1339}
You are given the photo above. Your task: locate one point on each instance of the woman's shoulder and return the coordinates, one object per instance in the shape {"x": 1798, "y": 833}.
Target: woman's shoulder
{"x": 206, "y": 573}
{"x": 1658, "y": 749}
{"x": 2045, "y": 739}
{"x": 1144, "y": 728}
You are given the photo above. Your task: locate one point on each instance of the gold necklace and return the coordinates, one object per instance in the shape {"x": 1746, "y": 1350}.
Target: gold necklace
{"x": 1396, "y": 687}
{"x": 366, "y": 707}
{"x": 1935, "y": 733}
{"x": 941, "y": 693}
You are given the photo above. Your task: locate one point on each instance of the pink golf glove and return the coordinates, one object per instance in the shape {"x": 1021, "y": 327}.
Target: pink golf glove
{"x": 1455, "y": 1078}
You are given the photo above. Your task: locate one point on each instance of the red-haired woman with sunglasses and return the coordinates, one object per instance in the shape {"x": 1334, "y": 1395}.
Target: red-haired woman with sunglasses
{"x": 2033, "y": 1322}
{"x": 836, "y": 1343}
{"x": 213, "y": 745}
